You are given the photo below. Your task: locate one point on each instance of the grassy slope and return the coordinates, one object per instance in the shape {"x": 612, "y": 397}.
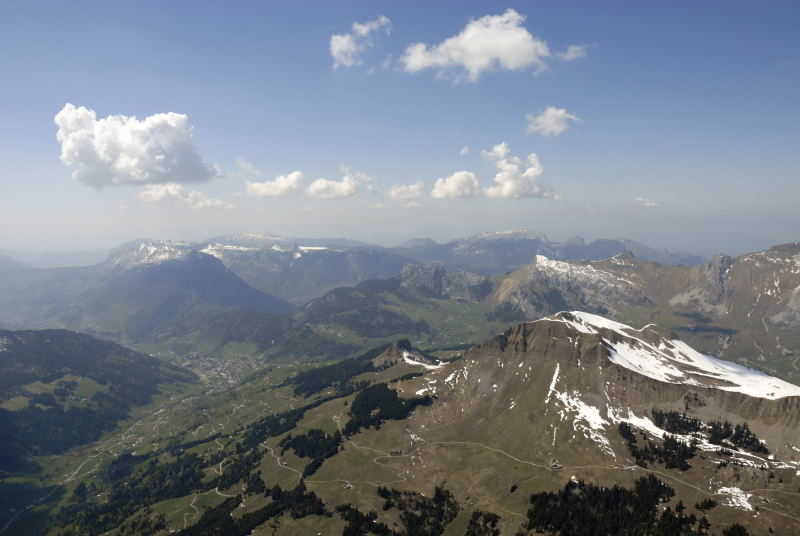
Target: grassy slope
{"x": 455, "y": 452}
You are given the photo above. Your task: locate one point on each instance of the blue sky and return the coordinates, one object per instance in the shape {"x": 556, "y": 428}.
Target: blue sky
{"x": 690, "y": 108}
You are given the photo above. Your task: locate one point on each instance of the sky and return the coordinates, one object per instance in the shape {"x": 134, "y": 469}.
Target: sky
{"x": 671, "y": 123}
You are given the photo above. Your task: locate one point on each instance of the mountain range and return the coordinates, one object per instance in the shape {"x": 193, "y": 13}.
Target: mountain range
{"x": 743, "y": 308}
{"x": 662, "y": 391}
{"x": 139, "y": 290}
{"x": 570, "y": 424}
{"x": 184, "y": 296}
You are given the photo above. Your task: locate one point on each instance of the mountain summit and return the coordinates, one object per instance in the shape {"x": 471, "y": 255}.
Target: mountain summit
{"x": 573, "y": 377}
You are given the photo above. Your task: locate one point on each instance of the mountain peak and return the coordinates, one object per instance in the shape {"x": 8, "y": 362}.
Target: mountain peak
{"x": 147, "y": 251}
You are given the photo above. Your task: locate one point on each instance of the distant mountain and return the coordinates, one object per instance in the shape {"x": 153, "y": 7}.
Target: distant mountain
{"x": 300, "y": 269}
{"x": 60, "y": 389}
{"x": 266, "y": 241}
{"x": 439, "y": 282}
{"x": 145, "y": 252}
{"x": 662, "y": 256}
{"x": 427, "y": 304}
{"x": 300, "y": 272}
{"x": 142, "y": 299}
{"x": 496, "y": 253}
{"x": 140, "y": 290}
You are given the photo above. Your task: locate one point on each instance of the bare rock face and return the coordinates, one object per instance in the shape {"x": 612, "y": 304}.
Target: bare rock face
{"x": 435, "y": 280}
{"x": 428, "y": 277}
{"x": 548, "y": 286}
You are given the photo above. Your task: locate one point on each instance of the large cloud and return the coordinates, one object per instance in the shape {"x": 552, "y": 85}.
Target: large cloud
{"x": 154, "y": 193}
{"x": 346, "y": 49}
{"x": 515, "y": 179}
{"x": 350, "y": 184}
{"x": 125, "y": 150}
{"x": 489, "y": 43}
{"x": 460, "y": 184}
{"x": 551, "y": 122}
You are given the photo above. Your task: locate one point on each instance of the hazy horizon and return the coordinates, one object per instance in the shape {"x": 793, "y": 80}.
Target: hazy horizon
{"x": 60, "y": 255}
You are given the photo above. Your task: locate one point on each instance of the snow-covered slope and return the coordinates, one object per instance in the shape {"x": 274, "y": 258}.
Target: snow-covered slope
{"x": 147, "y": 252}
{"x": 581, "y": 274}
{"x": 645, "y": 352}
{"x": 219, "y": 250}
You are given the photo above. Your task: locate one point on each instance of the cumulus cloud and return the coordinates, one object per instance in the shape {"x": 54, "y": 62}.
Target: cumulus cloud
{"x": 493, "y": 42}
{"x": 407, "y": 193}
{"x": 351, "y": 183}
{"x": 119, "y": 149}
{"x": 346, "y": 49}
{"x": 515, "y": 178}
{"x": 551, "y": 122}
{"x": 154, "y": 193}
{"x": 573, "y": 52}
{"x": 460, "y": 184}
{"x": 278, "y": 187}
{"x": 645, "y": 202}
{"x": 464, "y": 150}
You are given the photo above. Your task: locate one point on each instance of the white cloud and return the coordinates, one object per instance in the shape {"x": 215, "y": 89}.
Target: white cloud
{"x": 551, "y": 122}
{"x": 645, "y": 202}
{"x": 331, "y": 189}
{"x": 515, "y": 179}
{"x": 464, "y": 150}
{"x": 154, "y": 193}
{"x": 278, "y": 187}
{"x": 460, "y": 184}
{"x": 125, "y": 150}
{"x": 350, "y": 184}
{"x": 346, "y": 49}
{"x": 573, "y": 52}
{"x": 407, "y": 193}
{"x": 493, "y": 42}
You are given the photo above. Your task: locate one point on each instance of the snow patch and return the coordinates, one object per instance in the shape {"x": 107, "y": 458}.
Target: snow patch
{"x": 150, "y": 252}
{"x": 553, "y": 382}
{"x": 674, "y": 361}
{"x": 736, "y": 498}
{"x": 580, "y": 273}
{"x": 412, "y": 359}
{"x": 219, "y": 250}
